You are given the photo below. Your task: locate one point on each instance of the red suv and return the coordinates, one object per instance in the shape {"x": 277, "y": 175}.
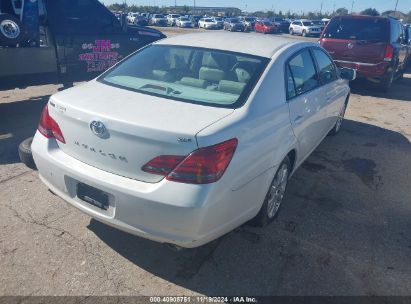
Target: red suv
{"x": 374, "y": 46}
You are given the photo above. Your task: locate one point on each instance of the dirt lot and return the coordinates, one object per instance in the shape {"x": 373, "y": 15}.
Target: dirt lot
{"x": 344, "y": 228}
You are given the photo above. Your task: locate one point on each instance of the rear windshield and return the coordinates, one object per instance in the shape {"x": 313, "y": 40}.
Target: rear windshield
{"x": 307, "y": 23}
{"x": 234, "y": 21}
{"x": 184, "y": 19}
{"x": 374, "y": 29}
{"x": 267, "y": 23}
{"x": 196, "y": 75}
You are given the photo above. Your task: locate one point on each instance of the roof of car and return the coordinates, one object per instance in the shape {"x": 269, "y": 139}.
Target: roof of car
{"x": 264, "y": 45}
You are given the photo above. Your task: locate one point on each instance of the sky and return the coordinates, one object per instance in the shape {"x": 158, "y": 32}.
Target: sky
{"x": 284, "y": 5}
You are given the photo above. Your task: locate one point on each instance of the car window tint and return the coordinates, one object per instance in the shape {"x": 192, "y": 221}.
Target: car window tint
{"x": 290, "y": 83}
{"x": 374, "y": 29}
{"x": 326, "y": 67}
{"x": 303, "y": 72}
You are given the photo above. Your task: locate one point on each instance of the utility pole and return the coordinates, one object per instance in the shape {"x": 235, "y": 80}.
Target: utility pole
{"x": 321, "y": 9}
{"x": 352, "y": 6}
{"x": 395, "y": 10}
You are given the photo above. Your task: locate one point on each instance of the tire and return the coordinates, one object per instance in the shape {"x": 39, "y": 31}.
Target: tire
{"x": 337, "y": 127}
{"x": 11, "y": 30}
{"x": 304, "y": 34}
{"x": 269, "y": 209}
{"x": 386, "y": 82}
{"x": 291, "y": 31}
{"x": 25, "y": 153}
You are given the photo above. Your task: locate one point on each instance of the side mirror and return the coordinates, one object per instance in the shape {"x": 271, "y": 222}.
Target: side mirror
{"x": 348, "y": 74}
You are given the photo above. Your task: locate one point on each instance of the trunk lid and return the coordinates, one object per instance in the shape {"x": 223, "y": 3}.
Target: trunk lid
{"x": 138, "y": 127}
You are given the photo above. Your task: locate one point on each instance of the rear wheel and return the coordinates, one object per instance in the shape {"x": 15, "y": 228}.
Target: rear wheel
{"x": 275, "y": 195}
{"x": 291, "y": 31}
{"x": 337, "y": 127}
{"x": 386, "y": 82}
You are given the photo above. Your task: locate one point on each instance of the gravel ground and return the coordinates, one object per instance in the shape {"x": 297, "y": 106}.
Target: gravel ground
{"x": 344, "y": 228}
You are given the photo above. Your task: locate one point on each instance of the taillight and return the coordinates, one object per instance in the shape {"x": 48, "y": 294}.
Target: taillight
{"x": 202, "y": 166}
{"x": 49, "y": 127}
{"x": 389, "y": 53}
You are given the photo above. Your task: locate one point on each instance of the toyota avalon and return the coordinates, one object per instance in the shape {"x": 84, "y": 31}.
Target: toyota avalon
{"x": 181, "y": 143}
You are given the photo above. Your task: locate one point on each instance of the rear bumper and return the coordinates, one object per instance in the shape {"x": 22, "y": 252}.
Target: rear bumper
{"x": 167, "y": 212}
{"x": 366, "y": 70}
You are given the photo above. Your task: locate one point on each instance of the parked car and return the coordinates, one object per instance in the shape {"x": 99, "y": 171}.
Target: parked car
{"x": 158, "y": 19}
{"x": 282, "y": 24}
{"x": 248, "y": 22}
{"x": 233, "y": 25}
{"x": 195, "y": 19}
{"x": 304, "y": 28}
{"x": 219, "y": 22}
{"x": 181, "y": 160}
{"x": 172, "y": 19}
{"x": 375, "y": 46}
{"x": 207, "y": 23}
{"x": 131, "y": 17}
{"x": 321, "y": 24}
{"x": 184, "y": 22}
{"x": 266, "y": 27}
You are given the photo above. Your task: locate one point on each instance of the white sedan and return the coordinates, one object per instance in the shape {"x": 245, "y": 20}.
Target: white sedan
{"x": 180, "y": 143}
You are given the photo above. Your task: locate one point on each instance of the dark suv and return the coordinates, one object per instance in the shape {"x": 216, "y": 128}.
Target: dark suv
{"x": 374, "y": 46}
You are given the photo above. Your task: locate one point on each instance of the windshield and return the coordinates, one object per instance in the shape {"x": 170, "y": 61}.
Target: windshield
{"x": 196, "y": 75}
{"x": 184, "y": 19}
{"x": 267, "y": 23}
{"x": 249, "y": 19}
{"x": 317, "y": 22}
{"x": 234, "y": 21}
{"x": 158, "y": 16}
{"x": 218, "y": 19}
{"x": 374, "y": 29}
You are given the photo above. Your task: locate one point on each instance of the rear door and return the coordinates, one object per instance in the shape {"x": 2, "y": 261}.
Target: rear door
{"x": 357, "y": 39}
{"x": 332, "y": 87}
{"x": 307, "y": 111}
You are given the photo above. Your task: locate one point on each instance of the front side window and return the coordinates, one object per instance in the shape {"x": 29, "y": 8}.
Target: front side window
{"x": 303, "y": 72}
{"x": 326, "y": 67}
{"x": 196, "y": 75}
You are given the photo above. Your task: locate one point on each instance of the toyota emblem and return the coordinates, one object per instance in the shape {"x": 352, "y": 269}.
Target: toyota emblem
{"x": 98, "y": 128}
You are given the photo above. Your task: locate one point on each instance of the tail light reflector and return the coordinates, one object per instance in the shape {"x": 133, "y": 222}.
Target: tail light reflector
{"x": 202, "y": 166}
{"x": 389, "y": 53}
{"x": 49, "y": 127}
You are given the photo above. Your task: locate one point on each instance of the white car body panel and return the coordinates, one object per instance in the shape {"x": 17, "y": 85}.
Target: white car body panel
{"x": 188, "y": 215}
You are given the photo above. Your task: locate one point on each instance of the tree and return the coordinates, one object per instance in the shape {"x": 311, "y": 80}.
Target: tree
{"x": 270, "y": 14}
{"x": 370, "y": 12}
{"x": 341, "y": 11}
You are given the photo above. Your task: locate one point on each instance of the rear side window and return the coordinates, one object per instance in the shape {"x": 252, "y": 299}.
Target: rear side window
{"x": 370, "y": 29}
{"x": 303, "y": 72}
{"x": 326, "y": 67}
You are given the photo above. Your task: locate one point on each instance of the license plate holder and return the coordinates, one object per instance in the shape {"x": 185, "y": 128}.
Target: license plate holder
{"x": 93, "y": 196}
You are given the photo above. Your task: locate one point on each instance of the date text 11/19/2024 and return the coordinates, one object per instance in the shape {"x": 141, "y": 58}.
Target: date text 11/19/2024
{"x": 202, "y": 299}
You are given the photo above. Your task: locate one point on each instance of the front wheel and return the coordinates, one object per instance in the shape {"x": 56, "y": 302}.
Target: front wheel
{"x": 304, "y": 34}
{"x": 275, "y": 195}
{"x": 291, "y": 31}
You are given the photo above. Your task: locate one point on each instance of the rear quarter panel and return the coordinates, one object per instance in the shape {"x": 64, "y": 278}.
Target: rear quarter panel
{"x": 265, "y": 136}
